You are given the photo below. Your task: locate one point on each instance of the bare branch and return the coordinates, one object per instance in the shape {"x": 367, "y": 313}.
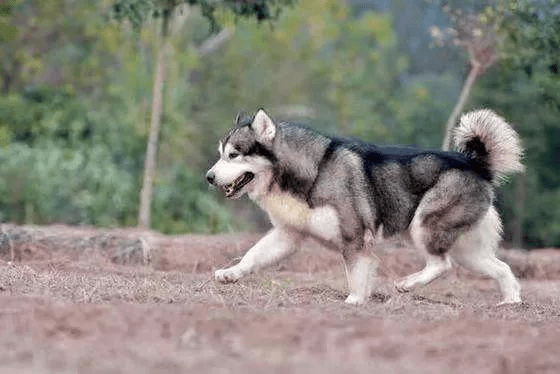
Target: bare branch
{"x": 479, "y": 40}
{"x": 215, "y": 42}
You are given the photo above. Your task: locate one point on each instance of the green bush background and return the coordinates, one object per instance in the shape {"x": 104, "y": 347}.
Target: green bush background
{"x": 76, "y": 87}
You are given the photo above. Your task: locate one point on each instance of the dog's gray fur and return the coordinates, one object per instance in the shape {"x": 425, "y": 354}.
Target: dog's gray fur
{"x": 338, "y": 191}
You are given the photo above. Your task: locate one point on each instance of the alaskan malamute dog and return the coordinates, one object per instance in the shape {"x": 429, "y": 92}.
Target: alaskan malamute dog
{"x": 337, "y": 191}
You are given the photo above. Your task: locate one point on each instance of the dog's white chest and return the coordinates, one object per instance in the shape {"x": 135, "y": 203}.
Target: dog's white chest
{"x": 286, "y": 210}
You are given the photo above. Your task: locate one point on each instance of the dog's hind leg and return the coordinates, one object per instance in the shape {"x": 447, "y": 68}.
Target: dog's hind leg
{"x": 436, "y": 264}
{"x": 435, "y": 267}
{"x": 274, "y": 246}
{"x": 475, "y": 250}
{"x": 453, "y": 207}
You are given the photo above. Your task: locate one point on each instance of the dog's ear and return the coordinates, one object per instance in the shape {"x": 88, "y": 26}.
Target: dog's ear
{"x": 264, "y": 127}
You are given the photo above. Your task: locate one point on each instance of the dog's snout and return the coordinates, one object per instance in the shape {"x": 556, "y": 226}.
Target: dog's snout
{"x": 210, "y": 177}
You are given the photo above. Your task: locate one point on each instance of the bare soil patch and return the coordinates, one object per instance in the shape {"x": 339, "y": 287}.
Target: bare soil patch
{"x": 80, "y": 300}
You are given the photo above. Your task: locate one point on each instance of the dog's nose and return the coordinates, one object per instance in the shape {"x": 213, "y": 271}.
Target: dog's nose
{"x": 210, "y": 177}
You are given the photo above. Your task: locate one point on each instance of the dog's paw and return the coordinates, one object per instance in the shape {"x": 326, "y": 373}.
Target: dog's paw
{"x": 354, "y": 300}
{"x": 510, "y": 301}
{"x": 402, "y": 285}
{"x": 228, "y": 275}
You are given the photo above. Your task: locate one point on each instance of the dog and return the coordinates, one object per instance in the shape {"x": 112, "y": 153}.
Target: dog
{"x": 338, "y": 191}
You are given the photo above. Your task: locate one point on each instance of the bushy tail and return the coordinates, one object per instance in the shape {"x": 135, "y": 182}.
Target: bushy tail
{"x": 489, "y": 139}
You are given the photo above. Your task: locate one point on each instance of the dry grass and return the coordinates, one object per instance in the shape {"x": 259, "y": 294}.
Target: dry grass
{"x": 69, "y": 303}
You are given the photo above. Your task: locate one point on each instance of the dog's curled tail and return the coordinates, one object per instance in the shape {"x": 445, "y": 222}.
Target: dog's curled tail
{"x": 488, "y": 138}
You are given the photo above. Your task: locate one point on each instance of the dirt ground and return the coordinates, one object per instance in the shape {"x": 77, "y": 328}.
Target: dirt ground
{"x": 79, "y": 300}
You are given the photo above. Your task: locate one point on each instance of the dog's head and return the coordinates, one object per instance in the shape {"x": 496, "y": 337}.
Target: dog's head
{"x": 246, "y": 156}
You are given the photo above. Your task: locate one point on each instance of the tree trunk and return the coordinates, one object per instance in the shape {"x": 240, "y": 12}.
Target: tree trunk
{"x": 157, "y": 106}
{"x": 471, "y": 78}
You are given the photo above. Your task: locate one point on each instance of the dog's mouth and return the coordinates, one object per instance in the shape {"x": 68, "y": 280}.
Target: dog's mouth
{"x": 232, "y": 188}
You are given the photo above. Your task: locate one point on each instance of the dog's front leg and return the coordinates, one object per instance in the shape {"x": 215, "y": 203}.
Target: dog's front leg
{"x": 360, "y": 271}
{"x": 274, "y": 246}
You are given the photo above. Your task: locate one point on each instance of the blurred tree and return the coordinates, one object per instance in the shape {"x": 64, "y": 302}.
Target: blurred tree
{"x": 530, "y": 47}
{"x": 475, "y": 35}
{"x": 525, "y": 36}
{"x": 525, "y": 88}
{"x": 75, "y": 94}
{"x": 138, "y": 11}
{"x": 530, "y": 32}
{"x": 319, "y": 64}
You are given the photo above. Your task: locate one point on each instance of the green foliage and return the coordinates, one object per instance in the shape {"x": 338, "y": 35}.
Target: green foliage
{"x": 531, "y": 31}
{"x": 532, "y": 104}
{"x": 8, "y": 32}
{"x": 139, "y": 11}
{"x": 76, "y": 88}
{"x": 341, "y": 72}
{"x": 136, "y": 11}
{"x": 542, "y": 221}
{"x": 46, "y": 184}
{"x": 524, "y": 88}
{"x": 421, "y": 110}
{"x": 184, "y": 203}
{"x": 43, "y": 113}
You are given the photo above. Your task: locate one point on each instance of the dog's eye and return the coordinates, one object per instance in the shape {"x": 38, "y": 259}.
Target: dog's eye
{"x": 233, "y": 155}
